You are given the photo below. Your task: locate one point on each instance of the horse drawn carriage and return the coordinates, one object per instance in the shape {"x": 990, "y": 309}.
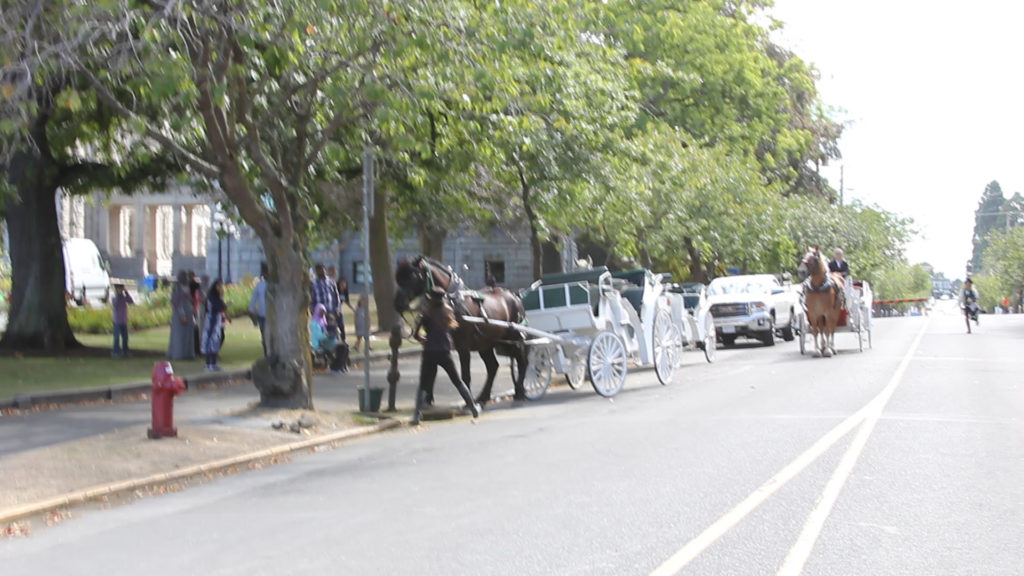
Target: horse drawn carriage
{"x": 830, "y": 302}
{"x": 586, "y": 324}
{"x": 593, "y": 323}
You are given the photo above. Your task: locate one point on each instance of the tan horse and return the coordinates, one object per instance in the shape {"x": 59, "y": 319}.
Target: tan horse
{"x": 823, "y": 300}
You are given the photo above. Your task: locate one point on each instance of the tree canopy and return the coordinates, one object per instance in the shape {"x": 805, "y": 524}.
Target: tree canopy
{"x": 676, "y": 134}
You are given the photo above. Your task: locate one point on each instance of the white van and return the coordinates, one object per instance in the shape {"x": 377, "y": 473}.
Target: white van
{"x": 85, "y": 272}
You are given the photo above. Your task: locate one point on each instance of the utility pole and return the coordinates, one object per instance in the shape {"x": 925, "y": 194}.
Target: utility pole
{"x": 841, "y": 167}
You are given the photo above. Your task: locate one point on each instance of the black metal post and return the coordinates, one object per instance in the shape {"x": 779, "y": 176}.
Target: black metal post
{"x": 220, "y": 257}
{"x": 393, "y": 375}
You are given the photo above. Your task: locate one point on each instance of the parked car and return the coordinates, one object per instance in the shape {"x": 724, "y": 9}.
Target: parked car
{"x": 753, "y": 306}
{"x": 85, "y": 271}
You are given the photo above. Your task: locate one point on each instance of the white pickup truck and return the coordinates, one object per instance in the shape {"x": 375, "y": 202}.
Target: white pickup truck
{"x": 754, "y": 306}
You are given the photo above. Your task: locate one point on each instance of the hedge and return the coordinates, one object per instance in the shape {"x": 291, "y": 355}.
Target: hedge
{"x": 150, "y": 311}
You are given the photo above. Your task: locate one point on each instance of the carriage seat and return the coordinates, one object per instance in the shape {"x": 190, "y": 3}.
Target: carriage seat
{"x": 635, "y": 297}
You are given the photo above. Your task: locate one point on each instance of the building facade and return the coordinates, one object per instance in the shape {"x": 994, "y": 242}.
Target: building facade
{"x": 160, "y": 234}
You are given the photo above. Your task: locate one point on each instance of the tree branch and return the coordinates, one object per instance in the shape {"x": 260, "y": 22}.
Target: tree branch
{"x": 192, "y": 160}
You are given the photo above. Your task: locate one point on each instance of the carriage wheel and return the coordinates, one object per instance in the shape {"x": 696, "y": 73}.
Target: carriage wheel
{"x": 710, "y": 341}
{"x": 577, "y": 373}
{"x": 666, "y": 347}
{"x": 803, "y": 333}
{"x": 867, "y": 323}
{"x": 607, "y": 363}
{"x": 860, "y": 335}
{"x": 538, "y": 373}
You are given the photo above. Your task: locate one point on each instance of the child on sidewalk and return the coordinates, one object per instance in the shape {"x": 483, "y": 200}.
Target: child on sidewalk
{"x": 119, "y": 306}
{"x": 362, "y": 323}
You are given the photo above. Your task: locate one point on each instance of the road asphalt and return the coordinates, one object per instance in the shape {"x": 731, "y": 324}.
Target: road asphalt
{"x": 902, "y": 459}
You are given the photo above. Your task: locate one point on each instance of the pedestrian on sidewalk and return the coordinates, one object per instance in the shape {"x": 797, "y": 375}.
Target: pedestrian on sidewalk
{"x": 362, "y": 323}
{"x": 183, "y": 319}
{"x": 119, "y": 308}
{"x": 258, "y": 305}
{"x": 213, "y": 326}
{"x": 437, "y": 321}
{"x": 195, "y": 287}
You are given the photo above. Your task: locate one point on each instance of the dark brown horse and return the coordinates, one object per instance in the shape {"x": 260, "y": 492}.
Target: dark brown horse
{"x": 415, "y": 278}
{"x": 823, "y": 300}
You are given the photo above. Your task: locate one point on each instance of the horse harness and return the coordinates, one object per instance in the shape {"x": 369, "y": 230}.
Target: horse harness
{"x": 456, "y": 291}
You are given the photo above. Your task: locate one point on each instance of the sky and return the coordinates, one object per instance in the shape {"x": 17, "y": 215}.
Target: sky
{"x": 932, "y": 96}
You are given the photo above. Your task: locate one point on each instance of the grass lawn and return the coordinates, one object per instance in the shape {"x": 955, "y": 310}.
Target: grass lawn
{"x": 21, "y": 375}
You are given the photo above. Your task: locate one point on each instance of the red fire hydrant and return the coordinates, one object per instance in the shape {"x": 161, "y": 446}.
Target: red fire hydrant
{"x": 165, "y": 388}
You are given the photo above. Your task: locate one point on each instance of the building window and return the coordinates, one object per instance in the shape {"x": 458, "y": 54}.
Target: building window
{"x": 358, "y": 270}
{"x": 495, "y": 268}
{"x": 200, "y": 229}
{"x": 126, "y": 231}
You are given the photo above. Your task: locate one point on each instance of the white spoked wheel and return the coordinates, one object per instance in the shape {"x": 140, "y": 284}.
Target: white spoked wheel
{"x": 866, "y": 314}
{"x": 577, "y": 373}
{"x": 860, "y": 334}
{"x": 803, "y": 332}
{"x": 710, "y": 340}
{"x": 607, "y": 363}
{"x": 666, "y": 340}
{"x": 538, "y": 373}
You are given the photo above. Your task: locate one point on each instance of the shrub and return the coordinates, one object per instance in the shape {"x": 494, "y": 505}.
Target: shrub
{"x": 150, "y": 311}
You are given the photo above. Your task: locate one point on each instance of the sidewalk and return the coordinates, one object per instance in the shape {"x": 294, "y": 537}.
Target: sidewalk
{"x": 97, "y": 449}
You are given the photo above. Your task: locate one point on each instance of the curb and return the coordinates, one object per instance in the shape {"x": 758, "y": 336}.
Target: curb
{"x": 95, "y": 492}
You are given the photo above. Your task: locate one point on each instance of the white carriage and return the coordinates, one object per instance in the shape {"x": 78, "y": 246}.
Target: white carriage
{"x": 854, "y": 317}
{"x": 589, "y": 324}
{"x": 691, "y": 311}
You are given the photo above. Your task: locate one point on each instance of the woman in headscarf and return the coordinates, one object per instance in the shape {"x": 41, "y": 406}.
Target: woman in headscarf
{"x": 213, "y": 325}
{"x": 183, "y": 321}
{"x": 322, "y": 338}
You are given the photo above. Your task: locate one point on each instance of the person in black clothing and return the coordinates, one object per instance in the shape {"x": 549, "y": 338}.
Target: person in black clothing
{"x": 437, "y": 322}
{"x": 838, "y": 264}
{"x": 196, "y": 290}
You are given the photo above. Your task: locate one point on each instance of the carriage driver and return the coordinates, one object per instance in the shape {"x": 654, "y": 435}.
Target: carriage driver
{"x": 839, "y": 265}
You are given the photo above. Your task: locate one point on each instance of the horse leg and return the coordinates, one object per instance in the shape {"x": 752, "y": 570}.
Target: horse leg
{"x": 464, "y": 358}
{"x": 520, "y": 359}
{"x": 491, "y": 362}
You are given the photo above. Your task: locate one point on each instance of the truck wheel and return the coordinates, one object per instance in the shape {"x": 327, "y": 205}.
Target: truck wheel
{"x": 768, "y": 338}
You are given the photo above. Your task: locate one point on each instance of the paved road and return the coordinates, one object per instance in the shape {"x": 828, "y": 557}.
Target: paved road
{"x": 905, "y": 459}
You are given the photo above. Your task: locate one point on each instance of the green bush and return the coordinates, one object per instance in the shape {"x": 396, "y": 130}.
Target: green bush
{"x": 150, "y": 311}
{"x": 5, "y": 285}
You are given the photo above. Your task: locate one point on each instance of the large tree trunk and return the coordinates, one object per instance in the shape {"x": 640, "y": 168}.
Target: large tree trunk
{"x": 38, "y": 317}
{"x": 381, "y": 262}
{"x": 285, "y": 377}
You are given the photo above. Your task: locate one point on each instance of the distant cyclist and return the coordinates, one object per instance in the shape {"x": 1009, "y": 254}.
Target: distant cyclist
{"x": 969, "y": 303}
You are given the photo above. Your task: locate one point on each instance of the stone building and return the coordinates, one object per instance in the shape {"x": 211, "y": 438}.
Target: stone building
{"x": 145, "y": 234}
{"x": 159, "y": 234}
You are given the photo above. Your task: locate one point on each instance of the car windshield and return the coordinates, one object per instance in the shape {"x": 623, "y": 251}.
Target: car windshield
{"x": 738, "y": 285}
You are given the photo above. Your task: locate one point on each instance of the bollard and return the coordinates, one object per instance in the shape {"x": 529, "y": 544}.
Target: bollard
{"x": 393, "y": 375}
{"x": 165, "y": 388}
